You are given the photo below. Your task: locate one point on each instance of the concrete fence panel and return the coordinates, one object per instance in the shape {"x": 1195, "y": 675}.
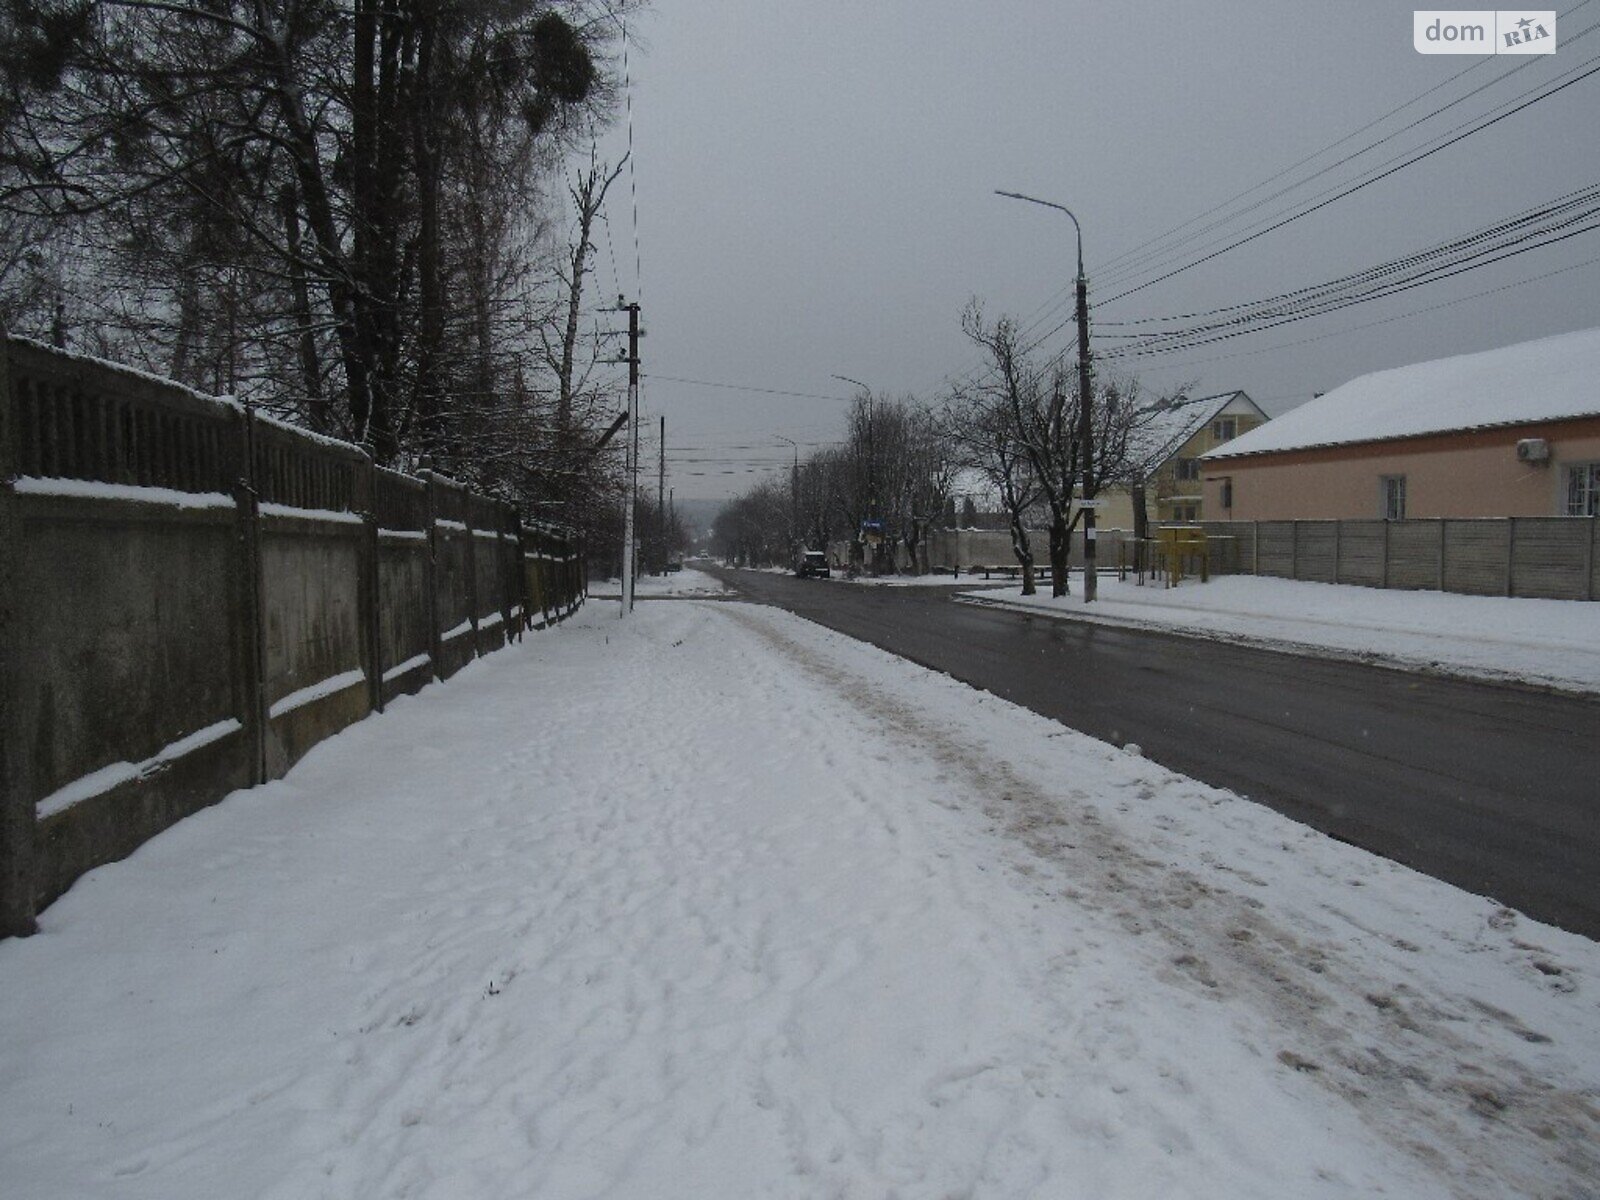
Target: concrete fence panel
{"x": 1275, "y": 548}
{"x": 1416, "y": 555}
{"x": 1316, "y": 550}
{"x": 1550, "y": 557}
{"x": 405, "y": 618}
{"x": 1361, "y": 552}
{"x": 1477, "y": 556}
{"x": 192, "y": 595}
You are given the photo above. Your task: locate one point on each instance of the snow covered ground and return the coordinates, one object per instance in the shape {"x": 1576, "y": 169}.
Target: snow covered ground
{"x": 716, "y": 903}
{"x": 687, "y": 582}
{"x": 1555, "y": 643}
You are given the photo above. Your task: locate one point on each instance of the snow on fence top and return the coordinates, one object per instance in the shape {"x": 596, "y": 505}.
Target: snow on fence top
{"x": 68, "y": 359}
{"x": 1549, "y": 379}
{"x": 89, "y": 421}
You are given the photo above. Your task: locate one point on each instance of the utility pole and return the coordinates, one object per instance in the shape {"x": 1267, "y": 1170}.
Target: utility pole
{"x": 1086, "y": 431}
{"x": 661, "y": 501}
{"x": 872, "y": 491}
{"x": 794, "y": 494}
{"x": 632, "y": 470}
{"x": 1085, "y": 399}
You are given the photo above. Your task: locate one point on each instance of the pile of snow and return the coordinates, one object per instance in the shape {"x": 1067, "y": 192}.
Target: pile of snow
{"x": 715, "y": 903}
{"x": 1547, "y": 379}
{"x": 1554, "y": 643}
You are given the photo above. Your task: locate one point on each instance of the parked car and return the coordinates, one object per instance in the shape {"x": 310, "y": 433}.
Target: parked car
{"x": 812, "y": 564}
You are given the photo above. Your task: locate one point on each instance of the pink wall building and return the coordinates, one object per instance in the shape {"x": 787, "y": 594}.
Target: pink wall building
{"x": 1508, "y": 432}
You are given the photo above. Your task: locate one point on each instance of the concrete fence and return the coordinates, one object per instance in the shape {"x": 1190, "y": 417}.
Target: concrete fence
{"x": 193, "y": 595}
{"x": 1551, "y": 557}
{"x": 1556, "y": 558}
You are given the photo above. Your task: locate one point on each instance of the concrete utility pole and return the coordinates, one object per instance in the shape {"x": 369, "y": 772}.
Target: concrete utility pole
{"x": 632, "y": 471}
{"x": 1085, "y": 400}
{"x": 661, "y": 501}
{"x": 794, "y": 494}
{"x": 872, "y": 490}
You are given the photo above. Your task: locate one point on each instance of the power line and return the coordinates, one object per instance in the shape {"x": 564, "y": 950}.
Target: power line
{"x": 1388, "y": 291}
{"x": 1322, "y": 337}
{"x": 1123, "y": 266}
{"x": 1279, "y": 224}
{"x": 1058, "y": 299}
{"x": 1552, "y": 216}
{"x": 740, "y": 387}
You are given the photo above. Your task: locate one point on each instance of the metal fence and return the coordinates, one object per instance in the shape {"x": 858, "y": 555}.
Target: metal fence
{"x": 193, "y": 595}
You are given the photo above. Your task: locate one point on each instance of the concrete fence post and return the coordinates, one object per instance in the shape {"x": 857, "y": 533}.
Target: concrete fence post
{"x": 1444, "y": 537}
{"x": 467, "y": 508}
{"x": 430, "y": 573}
{"x": 1384, "y": 567}
{"x": 1589, "y": 556}
{"x": 520, "y": 584}
{"x": 18, "y": 815}
{"x": 1294, "y": 549}
{"x": 368, "y": 586}
{"x": 1338, "y": 547}
{"x": 1255, "y": 547}
{"x": 250, "y": 629}
{"x": 1511, "y": 556}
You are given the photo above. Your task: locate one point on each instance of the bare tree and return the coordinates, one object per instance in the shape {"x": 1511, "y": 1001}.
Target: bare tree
{"x": 978, "y": 424}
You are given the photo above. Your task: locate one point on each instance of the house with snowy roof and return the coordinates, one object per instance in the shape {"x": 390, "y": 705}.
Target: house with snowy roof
{"x": 1501, "y": 433}
{"x": 1168, "y": 440}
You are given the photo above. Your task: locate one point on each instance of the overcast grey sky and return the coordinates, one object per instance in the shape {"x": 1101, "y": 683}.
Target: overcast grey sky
{"x": 815, "y": 194}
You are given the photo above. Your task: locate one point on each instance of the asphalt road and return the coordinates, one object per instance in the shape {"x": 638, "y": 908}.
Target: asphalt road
{"x": 1495, "y": 789}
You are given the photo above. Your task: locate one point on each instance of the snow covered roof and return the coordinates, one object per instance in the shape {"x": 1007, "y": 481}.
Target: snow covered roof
{"x": 1548, "y": 379}
{"x": 1172, "y": 424}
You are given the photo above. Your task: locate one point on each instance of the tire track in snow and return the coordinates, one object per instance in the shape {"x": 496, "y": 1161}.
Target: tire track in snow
{"x": 1487, "y": 1120}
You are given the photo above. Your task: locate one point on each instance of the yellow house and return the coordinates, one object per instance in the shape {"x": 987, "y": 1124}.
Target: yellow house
{"x": 1169, "y": 445}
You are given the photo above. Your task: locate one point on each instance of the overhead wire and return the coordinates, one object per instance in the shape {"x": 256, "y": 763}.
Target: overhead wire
{"x": 1342, "y": 193}
{"x": 1479, "y": 247}
{"x": 1053, "y": 304}
{"x": 1124, "y": 266}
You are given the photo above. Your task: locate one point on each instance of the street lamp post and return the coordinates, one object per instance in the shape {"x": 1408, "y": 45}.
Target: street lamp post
{"x": 794, "y": 493}
{"x": 1085, "y": 400}
{"x": 872, "y": 497}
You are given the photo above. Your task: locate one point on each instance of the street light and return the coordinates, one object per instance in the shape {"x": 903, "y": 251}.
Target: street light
{"x": 794, "y": 492}
{"x": 872, "y": 498}
{"x": 1085, "y": 426}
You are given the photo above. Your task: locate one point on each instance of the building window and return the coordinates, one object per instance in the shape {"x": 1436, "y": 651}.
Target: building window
{"x": 1583, "y": 490}
{"x": 1223, "y": 429}
{"x": 1185, "y": 513}
{"x": 1188, "y": 468}
{"x": 1227, "y": 493}
{"x": 1394, "y": 497}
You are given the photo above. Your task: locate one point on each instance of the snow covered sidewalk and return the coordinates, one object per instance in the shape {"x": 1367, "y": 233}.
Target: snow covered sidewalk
{"x": 715, "y": 903}
{"x": 1554, "y": 643}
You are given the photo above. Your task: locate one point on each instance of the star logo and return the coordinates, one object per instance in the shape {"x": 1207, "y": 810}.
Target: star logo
{"x": 1524, "y": 23}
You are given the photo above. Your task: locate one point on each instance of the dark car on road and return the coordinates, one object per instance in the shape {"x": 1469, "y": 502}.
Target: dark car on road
{"x": 812, "y": 564}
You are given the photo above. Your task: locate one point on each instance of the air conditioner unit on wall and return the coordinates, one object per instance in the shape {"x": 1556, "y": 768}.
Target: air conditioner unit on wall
{"x": 1533, "y": 450}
